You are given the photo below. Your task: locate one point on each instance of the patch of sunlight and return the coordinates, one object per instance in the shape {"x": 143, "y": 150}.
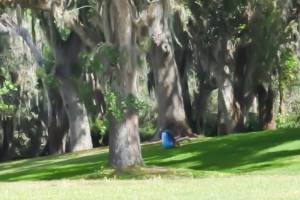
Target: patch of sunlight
{"x": 181, "y": 156}
{"x": 288, "y": 146}
{"x": 283, "y": 166}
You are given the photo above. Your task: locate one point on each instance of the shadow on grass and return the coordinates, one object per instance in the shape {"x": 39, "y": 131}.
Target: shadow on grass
{"x": 53, "y": 169}
{"x": 235, "y": 153}
{"x": 232, "y": 154}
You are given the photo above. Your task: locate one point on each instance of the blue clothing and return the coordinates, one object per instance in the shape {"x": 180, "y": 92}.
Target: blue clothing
{"x": 167, "y": 140}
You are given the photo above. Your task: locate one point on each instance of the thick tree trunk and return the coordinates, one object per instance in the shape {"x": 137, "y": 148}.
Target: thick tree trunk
{"x": 266, "y": 99}
{"x": 243, "y": 91}
{"x": 213, "y": 64}
{"x": 228, "y": 109}
{"x": 245, "y": 106}
{"x": 8, "y": 131}
{"x": 167, "y": 87}
{"x": 182, "y": 59}
{"x": 57, "y": 125}
{"x": 124, "y": 139}
{"x": 201, "y": 106}
{"x": 124, "y": 142}
{"x": 161, "y": 58}
{"x": 66, "y": 58}
{"x": 187, "y": 102}
{"x": 80, "y": 134}
{"x": 66, "y": 61}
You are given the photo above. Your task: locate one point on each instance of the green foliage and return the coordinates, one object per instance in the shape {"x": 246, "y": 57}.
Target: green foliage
{"x": 100, "y": 59}
{"x": 100, "y": 126}
{"x": 45, "y": 73}
{"x": 145, "y": 44}
{"x": 135, "y": 104}
{"x": 8, "y": 86}
{"x": 288, "y": 121}
{"x": 217, "y": 19}
{"x": 252, "y": 123}
{"x": 112, "y": 105}
{"x": 48, "y": 79}
{"x": 6, "y": 94}
{"x": 91, "y": 62}
{"x": 110, "y": 53}
{"x": 288, "y": 69}
{"x": 117, "y": 107}
{"x": 48, "y": 58}
{"x": 147, "y": 129}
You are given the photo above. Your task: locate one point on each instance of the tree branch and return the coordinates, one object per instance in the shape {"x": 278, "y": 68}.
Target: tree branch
{"x": 8, "y": 25}
{"x": 45, "y": 5}
{"x": 56, "y": 7}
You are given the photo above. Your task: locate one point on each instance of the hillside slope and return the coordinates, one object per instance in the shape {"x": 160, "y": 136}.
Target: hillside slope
{"x": 270, "y": 152}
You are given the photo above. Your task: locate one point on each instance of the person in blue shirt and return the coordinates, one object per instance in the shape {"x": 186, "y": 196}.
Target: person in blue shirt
{"x": 169, "y": 141}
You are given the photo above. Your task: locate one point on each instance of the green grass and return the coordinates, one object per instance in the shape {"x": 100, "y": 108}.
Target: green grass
{"x": 265, "y": 164}
{"x": 230, "y": 188}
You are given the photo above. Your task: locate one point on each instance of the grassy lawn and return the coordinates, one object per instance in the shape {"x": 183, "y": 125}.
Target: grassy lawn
{"x": 263, "y": 165}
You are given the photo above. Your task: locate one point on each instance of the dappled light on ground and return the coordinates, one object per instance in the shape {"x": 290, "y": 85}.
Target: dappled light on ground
{"x": 273, "y": 152}
{"x": 235, "y": 153}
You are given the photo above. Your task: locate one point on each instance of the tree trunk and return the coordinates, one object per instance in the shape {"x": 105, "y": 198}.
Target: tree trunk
{"x": 124, "y": 142}
{"x": 228, "y": 109}
{"x": 201, "y": 106}
{"x": 80, "y": 134}
{"x": 244, "y": 74}
{"x": 66, "y": 62}
{"x": 66, "y": 58}
{"x": 245, "y": 106}
{"x": 57, "y": 125}
{"x": 281, "y": 97}
{"x": 124, "y": 139}
{"x": 266, "y": 99}
{"x": 8, "y": 132}
{"x": 213, "y": 62}
{"x": 161, "y": 58}
{"x": 182, "y": 58}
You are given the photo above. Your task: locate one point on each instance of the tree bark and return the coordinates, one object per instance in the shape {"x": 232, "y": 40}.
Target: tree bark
{"x": 281, "y": 97}
{"x": 228, "y": 109}
{"x": 201, "y": 106}
{"x": 8, "y": 132}
{"x": 244, "y": 74}
{"x": 57, "y": 125}
{"x": 266, "y": 99}
{"x": 33, "y": 4}
{"x": 182, "y": 58}
{"x": 57, "y": 119}
{"x": 124, "y": 140}
{"x": 213, "y": 62}
{"x": 162, "y": 60}
{"x": 80, "y": 134}
{"x": 66, "y": 59}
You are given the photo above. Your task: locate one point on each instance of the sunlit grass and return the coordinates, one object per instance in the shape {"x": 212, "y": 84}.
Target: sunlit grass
{"x": 230, "y": 188}
{"x": 263, "y": 165}
{"x": 273, "y": 152}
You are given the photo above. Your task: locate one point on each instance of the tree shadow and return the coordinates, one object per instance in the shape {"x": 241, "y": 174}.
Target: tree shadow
{"x": 56, "y": 167}
{"x": 232, "y": 154}
{"x": 242, "y": 153}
